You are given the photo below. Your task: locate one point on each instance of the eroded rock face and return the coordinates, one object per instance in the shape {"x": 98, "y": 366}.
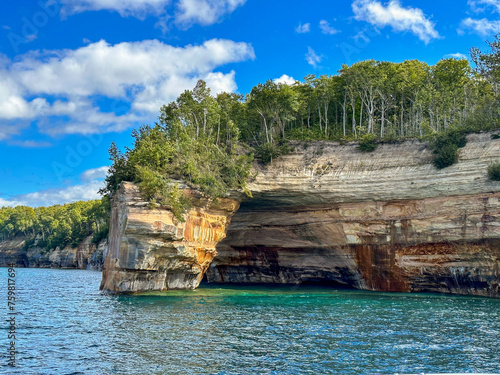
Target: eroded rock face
{"x": 386, "y": 221}
{"x": 434, "y": 244}
{"x": 85, "y": 256}
{"x": 12, "y": 252}
{"x": 151, "y": 250}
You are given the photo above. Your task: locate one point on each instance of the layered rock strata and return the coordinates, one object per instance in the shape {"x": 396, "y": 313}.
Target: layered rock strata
{"x": 328, "y": 213}
{"x": 85, "y": 256}
{"x": 149, "y": 249}
{"x": 447, "y": 244}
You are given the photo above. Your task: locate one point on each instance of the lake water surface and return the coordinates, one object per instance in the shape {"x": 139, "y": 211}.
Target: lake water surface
{"x": 65, "y": 326}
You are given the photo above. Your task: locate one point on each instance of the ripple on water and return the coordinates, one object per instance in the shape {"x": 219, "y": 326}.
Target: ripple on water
{"x": 66, "y": 326}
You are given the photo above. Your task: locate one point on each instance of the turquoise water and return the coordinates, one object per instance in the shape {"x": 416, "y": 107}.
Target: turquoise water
{"x": 65, "y": 326}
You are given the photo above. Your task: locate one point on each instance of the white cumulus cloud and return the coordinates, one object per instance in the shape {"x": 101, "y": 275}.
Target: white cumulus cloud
{"x": 69, "y": 194}
{"x": 87, "y": 70}
{"x": 126, "y": 8}
{"x": 483, "y": 26}
{"x": 84, "y": 192}
{"x": 285, "y": 79}
{"x": 94, "y": 174}
{"x": 457, "y": 55}
{"x": 326, "y": 28}
{"x": 312, "y": 58}
{"x": 302, "y": 29}
{"x": 7, "y": 130}
{"x": 93, "y": 180}
{"x": 482, "y": 5}
{"x": 204, "y": 12}
{"x": 187, "y": 12}
{"x": 11, "y": 203}
{"x": 56, "y": 87}
{"x": 394, "y": 15}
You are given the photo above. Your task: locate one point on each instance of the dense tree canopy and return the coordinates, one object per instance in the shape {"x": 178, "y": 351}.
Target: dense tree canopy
{"x": 56, "y": 226}
{"x": 195, "y": 140}
{"x": 204, "y": 139}
{"x": 391, "y": 100}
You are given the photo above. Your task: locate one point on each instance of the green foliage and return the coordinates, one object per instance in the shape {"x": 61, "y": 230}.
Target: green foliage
{"x": 494, "y": 171}
{"x": 119, "y": 171}
{"x": 457, "y": 137}
{"x": 305, "y": 134}
{"x": 196, "y": 141}
{"x": 207, "y": 141}
{"x": 488, "y": 63}
{"x": 368, "y": 143}
{"x": 28, "y": 243}
{"x": 445, "y": 156}
{"x": 56, "y": 226}
{"x": 153, "y": 185}
{"x": 445, "y": 147}
{"x": 178, "y": 202}
{"x": 269, "y": 151}
{"x": 495, "y": 136}
{"x": 156, "y": 188}
{"x": 272, "y": 106}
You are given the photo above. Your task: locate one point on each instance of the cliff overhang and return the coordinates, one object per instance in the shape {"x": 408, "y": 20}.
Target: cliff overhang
{"x": 385, "y": 221}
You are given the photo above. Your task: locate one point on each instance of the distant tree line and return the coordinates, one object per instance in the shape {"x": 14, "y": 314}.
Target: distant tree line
{"x": 56, "y": 226}
{"x": 387, "y": 100}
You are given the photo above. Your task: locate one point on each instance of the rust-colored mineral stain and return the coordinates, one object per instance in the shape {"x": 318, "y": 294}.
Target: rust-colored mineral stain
{"x": 204, "y": 257}
{"x": 378, "y": 266}
{"x": 204, "y": 228}
{"x": 192, "y": 224}
{"x": 134, "y": 232}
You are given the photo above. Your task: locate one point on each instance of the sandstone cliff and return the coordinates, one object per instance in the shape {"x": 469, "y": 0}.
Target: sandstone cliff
{"x": 85, "y": 256}
{"x": 385, "y": 221}
{"x": 151, "y": 250}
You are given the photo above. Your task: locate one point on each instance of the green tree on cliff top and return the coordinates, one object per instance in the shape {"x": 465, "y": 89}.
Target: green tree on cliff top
{"x": 204, "y": 140}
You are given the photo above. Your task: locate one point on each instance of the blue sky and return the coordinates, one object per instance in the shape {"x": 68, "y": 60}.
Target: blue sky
{"x": 76, "y": 75}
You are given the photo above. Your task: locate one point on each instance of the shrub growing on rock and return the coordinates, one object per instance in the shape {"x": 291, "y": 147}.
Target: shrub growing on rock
{"x": 445, "y": 147}
{"x": 494, "y": 171}
{"x": 445, "y": 156}
{"x": 368, "y": 143}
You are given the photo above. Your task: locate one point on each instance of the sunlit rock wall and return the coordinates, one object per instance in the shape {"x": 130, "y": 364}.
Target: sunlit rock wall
{"x": 326, "y": 213}
{"x": 151, "y": 250}
{"x": 386, "y": 221}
